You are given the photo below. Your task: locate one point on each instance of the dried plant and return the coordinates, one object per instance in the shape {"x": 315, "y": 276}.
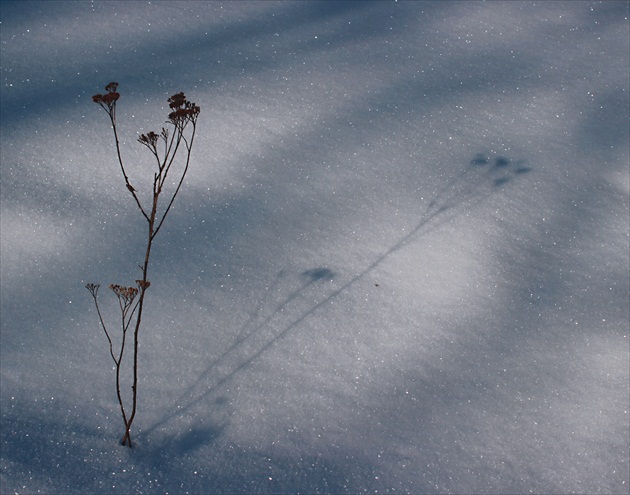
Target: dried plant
{"x": 178, "y": 136}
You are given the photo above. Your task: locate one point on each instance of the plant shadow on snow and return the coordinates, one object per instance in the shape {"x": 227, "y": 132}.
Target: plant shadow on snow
{"x": 262, "y": 325}
{"x": 484, "y": 176}
{"x": 250, "y": 342}
{"x": 193, "y": 439}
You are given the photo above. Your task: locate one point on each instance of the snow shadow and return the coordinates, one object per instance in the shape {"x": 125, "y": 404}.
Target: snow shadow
{"x": 252, "y": 339}
{"x": 188, "y": 442}
{"x": 142, "y": 58}
{"x": 276, "y": 316}
{"x": 44, "y": 450}
{"x": 188, "y": 58}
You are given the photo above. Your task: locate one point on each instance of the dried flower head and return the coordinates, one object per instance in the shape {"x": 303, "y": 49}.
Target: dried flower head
{"x": 143, "y": 284}
{"x": 177, "y": 100}
{"x": 183, "y": 110}
{"x": 125, "y": 294}
{"x": 149, "y": 140}
{"x": 108, "y": 100}
{"x": 93, "y": 288}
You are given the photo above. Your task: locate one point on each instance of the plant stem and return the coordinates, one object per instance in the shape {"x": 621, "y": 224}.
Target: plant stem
{"x": 145, "y": 270}
{"x": 182, "y": 113}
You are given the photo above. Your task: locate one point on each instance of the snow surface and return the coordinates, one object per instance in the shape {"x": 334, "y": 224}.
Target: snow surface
{"x": 399, "y": 262}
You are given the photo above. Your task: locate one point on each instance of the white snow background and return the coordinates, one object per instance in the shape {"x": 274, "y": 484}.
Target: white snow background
{"x": 399, "y": 262}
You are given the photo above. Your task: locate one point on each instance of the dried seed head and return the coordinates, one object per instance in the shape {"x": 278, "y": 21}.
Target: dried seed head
{"x": 177, "y": 100}
{"x": 130, "y": 292}
{"x": 125, "y": 294}
{"x": 108, "y": 100}
{"x": 93, "y": 288}
{"x": 183, "y": 110}
{"x": 150, "y": 139}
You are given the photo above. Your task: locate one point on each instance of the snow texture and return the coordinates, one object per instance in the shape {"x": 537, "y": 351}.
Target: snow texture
{"x": 399, "y": 263}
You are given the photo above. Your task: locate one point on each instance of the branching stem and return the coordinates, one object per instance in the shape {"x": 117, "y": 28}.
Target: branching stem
{"x": 182, "y": 114}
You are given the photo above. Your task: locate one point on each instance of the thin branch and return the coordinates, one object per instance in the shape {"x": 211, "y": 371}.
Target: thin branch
{"x": 122, "y": 167}
{"x": 93, "y": 288}
{"x": 181, "y": 180}
{"x": 167, "y": 166}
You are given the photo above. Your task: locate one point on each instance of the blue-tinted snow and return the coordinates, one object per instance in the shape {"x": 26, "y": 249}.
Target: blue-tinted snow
{"x": 399, "y": 263}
